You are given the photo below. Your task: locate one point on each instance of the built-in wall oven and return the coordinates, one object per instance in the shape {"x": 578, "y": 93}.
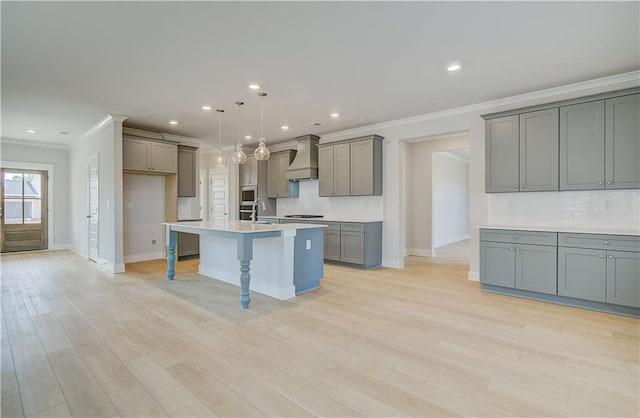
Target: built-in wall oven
{"x": 248, "y": 195}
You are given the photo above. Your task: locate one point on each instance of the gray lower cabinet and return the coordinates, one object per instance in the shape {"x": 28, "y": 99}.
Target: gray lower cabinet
{"x": 188, "y": 244}
{"x": 331, "y": 245}
{"x": 623, "y": 278}
{"x": 518, "y": 266}
{"x": 352, "y": 247}
{"x": 622, "y": 139}
{"x": 582, "y": 273}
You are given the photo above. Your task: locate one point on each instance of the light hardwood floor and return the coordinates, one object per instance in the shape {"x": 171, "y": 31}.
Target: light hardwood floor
{"x": 422, "y": 341}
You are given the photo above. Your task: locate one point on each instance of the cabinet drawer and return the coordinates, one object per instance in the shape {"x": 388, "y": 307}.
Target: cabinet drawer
{"x": 350, "y": 226}
{"x": 331, "y": 226}
{"x": 519, "y": 237}
{"x": 599, "y": 241}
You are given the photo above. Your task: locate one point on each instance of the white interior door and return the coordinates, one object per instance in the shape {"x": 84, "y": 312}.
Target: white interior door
{"x": 219, "y": 208}
{"x": 93, "y": 206}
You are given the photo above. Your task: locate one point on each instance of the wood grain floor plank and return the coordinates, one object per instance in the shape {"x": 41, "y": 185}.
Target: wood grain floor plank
{"x": 85, "y": 396}
{"x": 52, "y": 335}
{"x": 60, "y": 411}
{"x": 11, "y": 406}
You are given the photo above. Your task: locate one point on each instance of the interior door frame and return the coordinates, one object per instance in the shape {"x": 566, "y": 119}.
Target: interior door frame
{"x": 95, "y": 157}
{"x": 49, "y": 168}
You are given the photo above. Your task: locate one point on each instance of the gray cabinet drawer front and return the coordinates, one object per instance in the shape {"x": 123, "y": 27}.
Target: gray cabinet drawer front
{"x": 293, "y": 221}
{"x": 331, "y": 226}
{"x": 350, "y": 226}
{"x": 519, "y": 237}
{"x": 599, "y": 241}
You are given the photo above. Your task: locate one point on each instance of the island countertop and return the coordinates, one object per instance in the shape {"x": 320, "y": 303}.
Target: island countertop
{"x": 241, "y": 227}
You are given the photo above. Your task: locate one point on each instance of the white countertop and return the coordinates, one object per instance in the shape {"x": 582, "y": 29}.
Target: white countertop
{"x": 241, "y": 227}
{"x": 570, "y": 229}
{"x": 327, "y": 219}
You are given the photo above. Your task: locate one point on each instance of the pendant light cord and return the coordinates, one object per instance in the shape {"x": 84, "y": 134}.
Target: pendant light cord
{"x": 261, "y": 117}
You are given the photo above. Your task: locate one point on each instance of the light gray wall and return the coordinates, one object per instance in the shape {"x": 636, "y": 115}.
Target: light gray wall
{"x": 143, "y": 217}
{"x": 450, "y": 199}
{"x": 419, "y": 212}
{"x": 59, "y": 158}
{"x": 106, "y": 140}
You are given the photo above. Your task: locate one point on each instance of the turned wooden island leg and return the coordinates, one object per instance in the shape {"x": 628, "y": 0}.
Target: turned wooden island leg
{"x": 245, "y": 254}
{"x": 171, "y": 254}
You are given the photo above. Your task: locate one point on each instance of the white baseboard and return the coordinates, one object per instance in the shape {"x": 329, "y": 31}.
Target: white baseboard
{"x": 109, "y": 266}
{"x": 420, "y": 252}
{"x": 58, "y": 247}
{"x": 133, "y": 258}
{"x": 79, "y": 252}
{"x": 395, "y": 263}
{"x": 473, "y": 276}
{"x": 453, "y": 240}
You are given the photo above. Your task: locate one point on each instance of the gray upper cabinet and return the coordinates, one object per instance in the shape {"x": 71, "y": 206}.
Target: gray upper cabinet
{"x": 622, "y": 139}
{"x": 588, "y": 143}
{"x": 186, "y": 172}
{"x": 150, "y": 156}
{"x": 539, "y": 150}
{"x": 351, "y": 168}
{"x": 502, "y": 154}
{"x": 277, "y": 183}
{"x": 582, "y": 146}
{"x": 249, "y": 172}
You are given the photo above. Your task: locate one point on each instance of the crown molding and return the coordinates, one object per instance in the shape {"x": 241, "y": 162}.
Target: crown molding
{"x": 574, "y": 90}
{"x": 29, "y": 143}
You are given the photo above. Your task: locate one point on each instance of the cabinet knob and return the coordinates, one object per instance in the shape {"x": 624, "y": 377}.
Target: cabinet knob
{"x": 599, "y": 183}
{"x": 515, "y": 237}
{"x": 605, "y": 242}
{"x": 610, "y": 257}
{"x": 522, "y": 186}
{"x": 601, "y": 255}
{"x": 515, "y": 186}
{"x": 609, "y": 182}
{"x": 510, "y": 248}
{"x": 517, "y": 249}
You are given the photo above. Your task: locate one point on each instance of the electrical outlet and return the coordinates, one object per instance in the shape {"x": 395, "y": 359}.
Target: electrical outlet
{"x": 606, "y": 205}
{"x": 308, "y": 244}
{"x": 510, "y": 204}
{"x": 129, "y": 205}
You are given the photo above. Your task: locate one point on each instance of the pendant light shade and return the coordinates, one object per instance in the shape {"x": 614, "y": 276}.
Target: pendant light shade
{"x": 239, "y": 157}
{"x": 219, "y": 160}
{"x": 262, "y": 152}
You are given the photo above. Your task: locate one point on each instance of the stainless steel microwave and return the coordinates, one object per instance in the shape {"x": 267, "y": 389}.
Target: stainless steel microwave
{"x": 248, "y": 194}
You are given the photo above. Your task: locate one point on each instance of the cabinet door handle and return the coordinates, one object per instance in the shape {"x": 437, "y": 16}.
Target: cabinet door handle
{"x": 517, "y": 249}
{"x": 605, "y": 242}
{"x": 522, "y": 186}
{"x": 599, "y": 183}
{"x": 601, "y": 255}
{"x": 515, "y": 186}
{"x": 510, "y": 248}
{"x": 610, "y": 257}
{"x": 609, "y": 182}
{"x": 515, "y": 237}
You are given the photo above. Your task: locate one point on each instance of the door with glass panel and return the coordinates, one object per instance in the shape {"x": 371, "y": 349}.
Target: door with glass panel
{"x": 23, "y": 210}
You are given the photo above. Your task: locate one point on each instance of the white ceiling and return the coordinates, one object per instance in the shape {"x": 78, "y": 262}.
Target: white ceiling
{"x": 66, "y": 65}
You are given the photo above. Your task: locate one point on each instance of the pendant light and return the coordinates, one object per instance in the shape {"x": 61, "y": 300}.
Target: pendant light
{"x": 239, "y": 157}
{"x": 219, "y": 160}
{"x": 262, "y": 152}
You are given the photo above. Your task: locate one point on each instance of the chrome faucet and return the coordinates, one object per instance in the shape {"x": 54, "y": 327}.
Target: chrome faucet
{"x": 253, "y": 209}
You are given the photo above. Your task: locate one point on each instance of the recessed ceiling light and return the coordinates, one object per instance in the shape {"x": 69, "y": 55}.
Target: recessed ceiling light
{"x": 284, "y": 127}
{"x": 32, "y": 131}
{"x": 173, "y": 122}
{"x": 205, "y": 107}
{"x": 254, "y": 86}
{"x": 247, "y": 137}
{"x": 335, "y": 115}
{"x": 64, "y": 132}
{"x": 453, "y": 67}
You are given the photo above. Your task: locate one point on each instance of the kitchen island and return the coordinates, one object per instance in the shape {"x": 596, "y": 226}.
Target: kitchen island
{"x": 275, "y": 260}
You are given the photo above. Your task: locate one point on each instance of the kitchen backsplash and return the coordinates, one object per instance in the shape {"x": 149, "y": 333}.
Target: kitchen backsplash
{"x": 618, "y": 209}
{"x": 188, "y": 208}
{"x": 309, "y": 203}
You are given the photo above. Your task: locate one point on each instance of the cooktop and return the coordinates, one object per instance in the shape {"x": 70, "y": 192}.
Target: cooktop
{"x": 303, "y": 216}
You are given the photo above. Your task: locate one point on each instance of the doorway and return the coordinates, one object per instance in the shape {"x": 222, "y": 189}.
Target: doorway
{"x": 93, "y": 207}
{"x": 219, "y": 207}
{"x": 23, "y": 210}
{"x": 450, "y": 203}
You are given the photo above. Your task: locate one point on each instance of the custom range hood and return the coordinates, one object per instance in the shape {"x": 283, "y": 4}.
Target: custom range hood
{"x": 305, "y": 164}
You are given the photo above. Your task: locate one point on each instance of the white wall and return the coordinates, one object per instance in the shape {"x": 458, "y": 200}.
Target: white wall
{"x": 340, "y": 208}
{"x": 450, "y": 199}
{"x": 143, "y": 216}
{"x": 59, "y": 191}
{"x": 419, "y": 204}
{"x": 105, "y": 139}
